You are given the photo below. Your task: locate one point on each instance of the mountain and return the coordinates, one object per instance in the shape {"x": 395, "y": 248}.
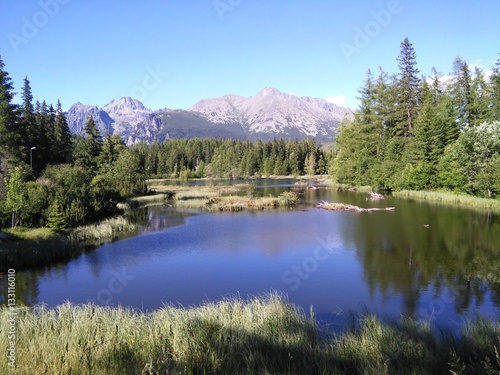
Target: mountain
{"x": 267, "y": 115}
{"x": 272, "y": 113}
{"x": 78, "y": 115}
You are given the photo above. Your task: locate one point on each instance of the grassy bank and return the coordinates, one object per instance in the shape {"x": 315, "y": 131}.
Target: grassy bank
{"x": 40, "y": 247}
{"x": 450, "y": 198}
{"x": 266, "y": 335}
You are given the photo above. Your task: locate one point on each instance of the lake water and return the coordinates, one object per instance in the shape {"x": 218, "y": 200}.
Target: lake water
{"x": 424, "y": 260}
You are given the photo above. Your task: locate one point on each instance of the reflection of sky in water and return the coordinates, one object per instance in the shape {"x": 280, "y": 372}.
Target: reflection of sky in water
{"x": 335, "y": 261}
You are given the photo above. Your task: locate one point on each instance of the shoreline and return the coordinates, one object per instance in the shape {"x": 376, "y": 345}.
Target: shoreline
{"x": 39, "y": 247}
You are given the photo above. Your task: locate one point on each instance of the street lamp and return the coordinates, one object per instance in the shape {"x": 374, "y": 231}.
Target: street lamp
{"x": 31, "y": 156}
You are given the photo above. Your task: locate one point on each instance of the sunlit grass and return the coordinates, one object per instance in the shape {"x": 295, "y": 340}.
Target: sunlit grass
{"x": 265, "y": 335}
{"x": 449, "y": 198}
{"x": 104, "y": 230}
{"x": 214, "y": 202}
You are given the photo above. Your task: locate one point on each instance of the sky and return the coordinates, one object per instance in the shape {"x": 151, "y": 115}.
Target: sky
{"x": 173, "y": 53}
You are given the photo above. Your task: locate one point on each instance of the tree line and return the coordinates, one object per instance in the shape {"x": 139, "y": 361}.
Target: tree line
{"x": 49, "y": 177}
{"x": 226, "y": 158}
{"x": 422, "y": 133}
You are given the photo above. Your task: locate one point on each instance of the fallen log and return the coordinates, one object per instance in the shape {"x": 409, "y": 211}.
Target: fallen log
{"x": 349, "y": 207}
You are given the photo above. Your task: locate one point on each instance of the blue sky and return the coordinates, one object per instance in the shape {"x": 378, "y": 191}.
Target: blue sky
{"x": 173, "y": 53}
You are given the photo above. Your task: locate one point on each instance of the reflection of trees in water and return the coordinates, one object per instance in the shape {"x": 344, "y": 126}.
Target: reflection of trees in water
{"x": 150, "y": 219}
{"x": 458, "y": 250}
{"x": 26, "y": 288}
{"x": 154, "y": 218}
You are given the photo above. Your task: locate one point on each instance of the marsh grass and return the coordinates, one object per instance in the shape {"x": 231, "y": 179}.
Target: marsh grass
{"x": 142, "y": 201}
{"x": 264, "y": 335}
{"x": 214, "y": 202}
{"x": 450, "y": 198}
{"x": 105, "y": 230}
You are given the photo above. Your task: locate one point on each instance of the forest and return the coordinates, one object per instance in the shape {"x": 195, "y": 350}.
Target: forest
{"x": 51, "y": 178}
{"x": 435, "y": 133}
{"x": 409, "y": 132}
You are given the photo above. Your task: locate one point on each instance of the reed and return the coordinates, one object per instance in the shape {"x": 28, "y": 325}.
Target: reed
{"x": 233, "y": 203}
{"x": 263, "y": 335}
{"x": 450, "y": 198}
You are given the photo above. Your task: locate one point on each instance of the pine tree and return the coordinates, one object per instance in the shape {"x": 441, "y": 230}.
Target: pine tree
{"x": 408, "y": 89}
{"x": 56, "y": 220}
{"x": 89, "y": 148}
{"x": 495, "y": 92}
{"x": 29, "y": 133}
{"x": 9, "y": 130}
{"x": 62, "y": 137}
{"x": 462, "y": 93}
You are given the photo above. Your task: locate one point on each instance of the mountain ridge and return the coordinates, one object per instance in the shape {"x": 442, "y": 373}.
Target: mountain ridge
{"x": 268, "y": 114}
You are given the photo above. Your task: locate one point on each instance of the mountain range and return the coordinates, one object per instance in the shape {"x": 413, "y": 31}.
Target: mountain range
{"x": 267, "y": 115}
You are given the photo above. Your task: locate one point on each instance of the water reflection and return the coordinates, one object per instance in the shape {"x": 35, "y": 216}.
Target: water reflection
{"x": 423, "y": 260}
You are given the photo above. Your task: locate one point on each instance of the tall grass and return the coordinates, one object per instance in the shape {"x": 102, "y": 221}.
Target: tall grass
{"x": 105, "y": 230}
{"x": 142, "y": 201}
{"x": 265, "y": 335}
{"x": 213, "y": 203}
{"x": 450, "y": 198}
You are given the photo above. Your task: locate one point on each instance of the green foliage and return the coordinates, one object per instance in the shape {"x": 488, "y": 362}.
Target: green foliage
{"x": 56, "y": 220}
{"x": 127, "y": 175}
{"x": 410, "y": 133}
{"x": 17, "y": 200}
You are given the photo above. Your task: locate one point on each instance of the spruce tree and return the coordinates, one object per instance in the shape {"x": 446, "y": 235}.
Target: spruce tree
{"x": 495, "y": 92}
{"x": 56, "y": 220}
{"x": 89, "y": 148}
{"x": 9, "y": 129}
{"x": 62, "y": 137}
{"x": 29, "y": 133}
{"x": 408, "y": 89}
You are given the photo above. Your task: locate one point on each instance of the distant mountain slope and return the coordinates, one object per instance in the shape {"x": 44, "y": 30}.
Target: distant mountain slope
{"x": 267, "y": 115}
{"x": 274, "y": 113}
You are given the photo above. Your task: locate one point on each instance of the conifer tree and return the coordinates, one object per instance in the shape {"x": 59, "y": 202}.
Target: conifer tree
{"x": 62, "y": 137}
{"x": 408, "y": 89}
{"x": 56, "y": 220}
{"x": 29, "y": 133}
{"x": 89, "y": 148}
{"x": 495, "y": 92}
{"x": 9, "y": 129}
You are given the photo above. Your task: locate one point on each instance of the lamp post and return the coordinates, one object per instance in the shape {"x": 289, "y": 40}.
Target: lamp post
{"x": 31, "y": 156}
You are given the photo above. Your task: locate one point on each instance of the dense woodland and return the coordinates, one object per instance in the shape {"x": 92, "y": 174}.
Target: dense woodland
{"x": 413, "y": 132}
{"x": 410, "y": 132}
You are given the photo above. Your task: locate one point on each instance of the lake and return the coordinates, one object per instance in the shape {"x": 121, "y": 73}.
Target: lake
{"x": 428, "y": 261}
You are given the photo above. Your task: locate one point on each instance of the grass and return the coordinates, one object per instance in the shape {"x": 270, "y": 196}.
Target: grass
{"x": 145, "y": 200}
{"x": 105, "y": 230}
{"x": 233, "y": 203}
{"x": 450, "y": 198}
{"x": 265, "y": 335}
{"x": 40, "y": 247}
